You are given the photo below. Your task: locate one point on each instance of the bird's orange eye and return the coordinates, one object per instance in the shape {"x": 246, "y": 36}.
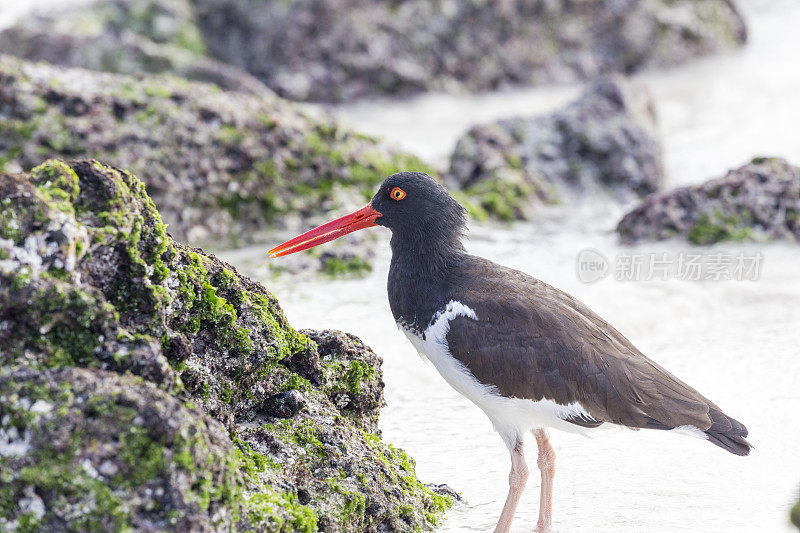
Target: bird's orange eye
{"x": 397, "y": 194}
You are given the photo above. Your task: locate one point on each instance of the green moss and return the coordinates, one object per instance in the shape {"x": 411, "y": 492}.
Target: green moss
{"x": 207, "y": 308}
{"x": 231, "y": 135}
{"x": 502, "y": 199}
{"x": 718, "y": 227}
{"x": 305, "y": 433}
{"x": 266, "y": 505}
{"x": 145, "y": 19}
{"x": 58, "y": 474}
{"x": 266, "y": 120}
{"x": 355, "y": 504}
{"x": 191, "y": 39}
{"x": 11, "y": 153}
{"x": 58, "y": 179}
{"x": 18, "y": 130}
{"x": 795, "y": 515}
{"x": 348, "y": 266}
{"x": 10, "y": 224}
{"x": 22, "y": 278}
{"x": 28, "y": 523}
{"x": 158, "y": 91}
{"x": 514, "y": 161}
{"x": 315, "y": 142}
{"x": 65, "y": 323}
{"x": 267, "y": 508}
{"x": 7, "y": 497}
{"x": 227, "y": 394}
{"x": 232, "y": 203}
{"x": 145, "y": 457}
{"x": 62, "y": 473}
{"x": 401, "y": 473}
{"x": 297, "y": 382}
{"x": 356, "y": 373}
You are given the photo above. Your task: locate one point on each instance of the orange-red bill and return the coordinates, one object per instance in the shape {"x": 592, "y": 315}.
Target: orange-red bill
{"x": 363, "y": 218}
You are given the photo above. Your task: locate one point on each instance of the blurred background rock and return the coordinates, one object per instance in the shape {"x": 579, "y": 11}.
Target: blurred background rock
{"x": 225, "y": 168}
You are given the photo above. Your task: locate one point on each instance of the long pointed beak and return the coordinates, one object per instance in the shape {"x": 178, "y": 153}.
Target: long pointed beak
{"x": 363, "y": 218}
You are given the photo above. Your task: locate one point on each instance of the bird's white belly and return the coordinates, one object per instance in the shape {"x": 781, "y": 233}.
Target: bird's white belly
{"x": 512, "y": 418}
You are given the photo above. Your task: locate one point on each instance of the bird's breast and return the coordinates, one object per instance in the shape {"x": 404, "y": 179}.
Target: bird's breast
{"x": 431, "y": 343}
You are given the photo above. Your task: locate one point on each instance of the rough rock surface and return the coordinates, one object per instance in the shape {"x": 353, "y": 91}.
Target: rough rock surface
{"x": 217, "y": 164}
{"x": 160, "y": 21}
{"x": 134, "y": 372}
{"x": 124, "y": 36}
{"x": 127, "y": 53}
{"x": 605, "y": 140}
{"x": 338, "y": 50}
{"x": 222, "y": 167}
{"x": 760, "y": 200}
{"x": 94, "y": 450}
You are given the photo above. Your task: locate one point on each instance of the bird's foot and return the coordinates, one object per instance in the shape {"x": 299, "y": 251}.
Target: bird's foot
{"x": 540, "y": 528}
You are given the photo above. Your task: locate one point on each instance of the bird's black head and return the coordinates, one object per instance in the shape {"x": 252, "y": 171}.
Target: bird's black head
{"x": 423, "y": 217}
{"x": 417, "y": 209}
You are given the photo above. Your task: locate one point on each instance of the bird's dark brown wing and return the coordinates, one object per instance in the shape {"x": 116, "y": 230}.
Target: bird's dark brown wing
{"x": 538, "y": 342}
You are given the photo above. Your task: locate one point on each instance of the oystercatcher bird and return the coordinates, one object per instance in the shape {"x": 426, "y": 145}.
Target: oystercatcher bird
{"x": 529, "y": 355}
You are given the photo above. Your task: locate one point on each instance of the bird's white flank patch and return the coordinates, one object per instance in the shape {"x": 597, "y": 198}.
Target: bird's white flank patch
{"x": 513, "y": 418}
{"x": 692, "y": 431}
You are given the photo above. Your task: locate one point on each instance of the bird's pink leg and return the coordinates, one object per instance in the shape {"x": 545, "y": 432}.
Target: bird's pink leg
{"x": 547, "y": 465}
{"x": 516, "y": 484}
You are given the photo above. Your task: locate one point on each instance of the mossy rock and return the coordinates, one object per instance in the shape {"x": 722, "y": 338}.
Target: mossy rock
{"x": 718, "y": 227}
{"x": 603, "y": 144}
{"x": 224, "y": 168}
{"x": 126, "y": 37}
{"x": 95, "y": 451}
{"x": 90, "y": 280}
{"x": 756, "y": 202}
{"x": 161, "y": 21}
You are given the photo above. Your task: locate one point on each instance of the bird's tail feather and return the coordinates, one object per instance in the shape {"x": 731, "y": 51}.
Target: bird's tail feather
{"x": 727, "y": 433}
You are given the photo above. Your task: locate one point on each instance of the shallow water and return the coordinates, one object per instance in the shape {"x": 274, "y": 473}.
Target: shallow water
{"x": 736, "y": 341}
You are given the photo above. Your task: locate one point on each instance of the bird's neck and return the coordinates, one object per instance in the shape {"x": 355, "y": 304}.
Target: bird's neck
{"x": 427, "y": 254}
{"x": 419, "y": 277}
